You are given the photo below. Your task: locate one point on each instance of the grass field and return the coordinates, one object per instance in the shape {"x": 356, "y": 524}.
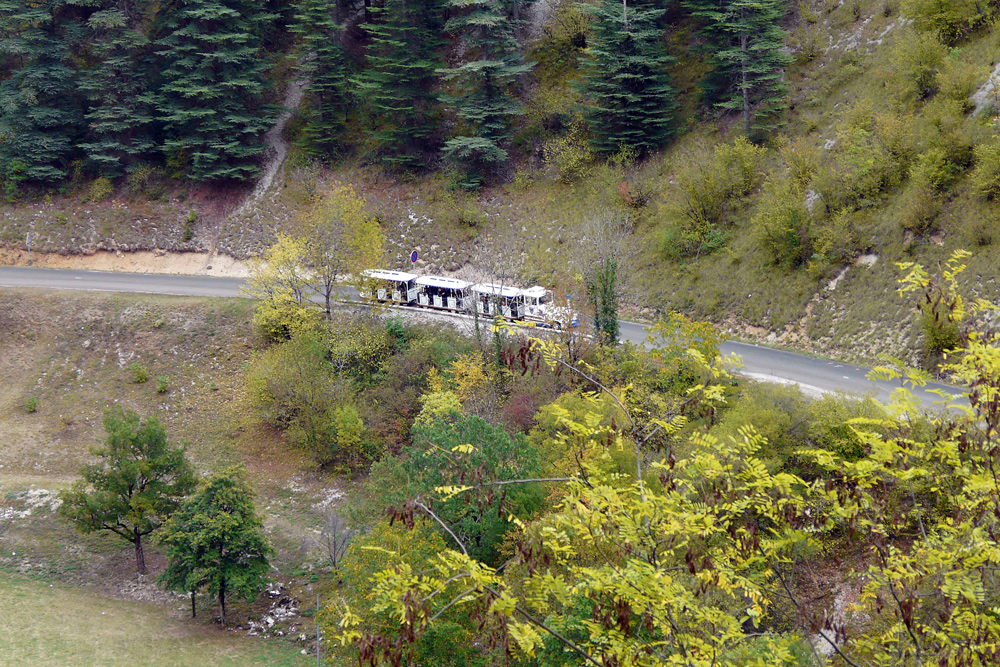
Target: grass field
{"x": 71, "y": 356}
{"x": 51, "y": 625}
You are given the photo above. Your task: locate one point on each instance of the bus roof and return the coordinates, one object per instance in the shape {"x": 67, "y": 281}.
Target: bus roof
{"x": 535, "y": 291}
{"x": 438, "y": 281}
{"x": 401, "y": 276}
{"x": 497, "y": 290}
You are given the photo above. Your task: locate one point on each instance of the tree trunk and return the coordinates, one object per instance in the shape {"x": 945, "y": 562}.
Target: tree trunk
{"x": 140, "y": 556}
{"x": 222, "y": 600}
{"x": 194, "y": 612}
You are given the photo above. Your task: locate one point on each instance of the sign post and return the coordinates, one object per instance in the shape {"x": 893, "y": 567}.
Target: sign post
{"x": 413, "y": 260}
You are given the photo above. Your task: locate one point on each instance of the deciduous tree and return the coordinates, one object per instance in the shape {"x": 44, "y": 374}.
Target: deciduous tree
{"x": 216, "y": 541}
{"x": 138, "y": 484}
{"x": 339, "y": 239}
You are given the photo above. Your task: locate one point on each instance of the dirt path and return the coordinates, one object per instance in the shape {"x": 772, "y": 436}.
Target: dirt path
{"x": 277, "y": 146}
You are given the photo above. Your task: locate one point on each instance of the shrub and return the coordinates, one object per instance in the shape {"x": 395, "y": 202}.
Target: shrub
{"x": 958, "y": 81}
{"x": 705, "y": 185}
{"x": 162, "y": 384}
{"x": 914, "y": 60}
{"x": 570, "y": 154}
{"x": 867, "y": 160}
{"x": 31, "y": 404}
{"x": 139, "y": 373}
{"x": 189, "y": 222}
{"x": 951, "y": 19}
{"x": 985, "y": 179}
{"x": 100, "y": 189}
{"x": 920, "y": 208}
{"x": 782, "y": 223}
{"x": 282, "y": 317}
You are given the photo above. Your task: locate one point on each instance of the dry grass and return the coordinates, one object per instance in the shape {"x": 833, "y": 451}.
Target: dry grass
{"x": 73, "y": 352}
{"x": 47, "y": 624}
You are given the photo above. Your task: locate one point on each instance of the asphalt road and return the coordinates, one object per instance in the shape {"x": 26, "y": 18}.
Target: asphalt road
{"x": 815, "y": 376}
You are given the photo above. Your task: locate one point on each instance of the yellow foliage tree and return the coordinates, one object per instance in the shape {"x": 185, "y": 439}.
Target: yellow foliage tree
{"x": 278, "y": 280}
{"x": 340, "y": 239}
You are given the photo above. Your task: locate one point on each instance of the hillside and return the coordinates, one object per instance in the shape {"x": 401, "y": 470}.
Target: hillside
{"x": 883, "y": 149}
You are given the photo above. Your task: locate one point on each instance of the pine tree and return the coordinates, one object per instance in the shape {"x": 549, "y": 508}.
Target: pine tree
{"x": 745, "y": 41}
{"x": 325, "y": 63}
{"x": 485, "y": 85}
{"x": 121, "y": 118}
{"x": 398, "y": 81}
{"x": 211, "y": 101}
{"x": 631, "y": 99}
{"x": 41, "y": 116}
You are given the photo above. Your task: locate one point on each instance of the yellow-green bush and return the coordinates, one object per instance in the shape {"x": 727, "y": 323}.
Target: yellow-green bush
{"x": 782, "y": 223}
{"x": 913, "y": 62}
{"x": 985, "y": 179}
{"x": 570, "y": 154}
{"x": 951, "y": 19}
{"x": 100, "y": 189}
{"x": 706, "y": 184}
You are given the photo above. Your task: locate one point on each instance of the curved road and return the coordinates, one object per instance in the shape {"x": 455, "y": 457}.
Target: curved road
{"x": 815, "y": 376}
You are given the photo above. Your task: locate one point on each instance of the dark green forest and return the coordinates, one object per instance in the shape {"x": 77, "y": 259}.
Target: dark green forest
{"x": 101, "y": 89}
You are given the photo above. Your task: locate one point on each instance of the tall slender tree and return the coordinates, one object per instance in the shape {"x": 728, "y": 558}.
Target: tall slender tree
{"x": 631, "y": 101}
{"x": 41, "y": 115}
{"x": 121, "y": 118}
{"x": 212, "y": 98}
{"x": 399, "y": 80}
{"x": 485, "y": 84}
{"x": 328, "y": 69}
{"x": 745, "y": 41}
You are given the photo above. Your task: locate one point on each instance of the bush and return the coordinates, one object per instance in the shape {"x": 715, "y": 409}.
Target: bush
{"x": 570, "y": 154}
{"x": 920, "y": 208}
{"x": 705, "y": 185}
{"x": 914, "y": 60}
{"x": 782, "y": 223}
{"x": 951, "y": 19}
{"x": 139, "y": 373}
{"x": 162, "y": 384}
{"x": 100, "y": 189}
{"x": 985, "y": 179}
{"x": 31, "y": 404}
{"x": 871, "y": 156}
{"x": 281, "y": 318}
{"x": 189, "y": 223}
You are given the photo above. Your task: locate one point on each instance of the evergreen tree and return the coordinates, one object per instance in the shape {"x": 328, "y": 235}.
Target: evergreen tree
{"x": 40, "y": 115}
{"x": 216, "y": 541}
{"x": 211, "y": 101}
{"x": 745, "y": 41}
{"x": 121, "y": 118}
{"x": 327, "y": 67}
{"x": 631, "y": 99}
{"x": 398, "y": 81}
{"x": 484, "y": 84}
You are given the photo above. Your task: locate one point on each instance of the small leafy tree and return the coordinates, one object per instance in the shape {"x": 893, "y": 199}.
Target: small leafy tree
{"x": 278, "y": 279}
{"x": 138, "y": 484}
{"x": 339, "y": 239}
{"x": 604, "y": 259}
{"x": 216, "y": 541}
